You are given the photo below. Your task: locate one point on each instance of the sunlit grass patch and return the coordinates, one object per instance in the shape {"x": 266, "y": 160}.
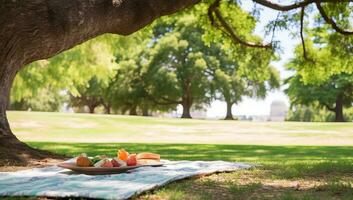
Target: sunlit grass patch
{"x": 281, "y": 172}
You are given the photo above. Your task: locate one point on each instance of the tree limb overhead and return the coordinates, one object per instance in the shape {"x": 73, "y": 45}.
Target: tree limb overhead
{"x": 213, "y": 9}
{"x": 331, "y": 22}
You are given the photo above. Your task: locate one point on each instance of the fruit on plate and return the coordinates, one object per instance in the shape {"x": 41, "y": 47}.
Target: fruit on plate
{"x": 115, "y": 163}
{"x": 123, "y": 155}
{"x": 107, "y": 163}
{"x": 147, "y": 155}
{"x": 83, "y": 161}
{"x": 147, "y": 158}
{"x": 122, "y": 163}
{"x": 118, "y": 163}
{"x": 123, "y": 159}
{"x": 131, "y": 161}
{"x": 104, "y": 163}
{"x": 96, "y": 159}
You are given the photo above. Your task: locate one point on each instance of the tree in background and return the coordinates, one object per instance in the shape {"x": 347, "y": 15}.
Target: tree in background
{"x": 127, "y": 88}
{"x": 239, "y": 71}
{"x": 69, "y": 72}
{"x": 179, "y": 59}
{"x": 325, "y": 75}
{"x": 333, "y": 94}
{"x": 90, "y": 95}
{"x": 233, "y": 87}
{"x": 315, "y": 113}
{"x": 45, "y": 99}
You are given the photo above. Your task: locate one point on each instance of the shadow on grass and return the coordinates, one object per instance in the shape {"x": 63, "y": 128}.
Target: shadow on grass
{"x": 208, "y": 152}
{"x": 284, "y": 161}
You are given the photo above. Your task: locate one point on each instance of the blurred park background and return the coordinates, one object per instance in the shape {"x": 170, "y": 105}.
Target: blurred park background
{"x": 179, "y": 67}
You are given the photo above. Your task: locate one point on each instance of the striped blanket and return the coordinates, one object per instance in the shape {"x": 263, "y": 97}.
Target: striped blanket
{"x": 57, "y": 182}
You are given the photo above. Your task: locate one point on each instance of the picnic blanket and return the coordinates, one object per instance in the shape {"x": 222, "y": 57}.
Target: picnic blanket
{"x": 54, "y": 181}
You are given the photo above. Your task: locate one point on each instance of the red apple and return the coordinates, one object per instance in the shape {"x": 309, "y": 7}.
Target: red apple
{"x": 131, "y": 161}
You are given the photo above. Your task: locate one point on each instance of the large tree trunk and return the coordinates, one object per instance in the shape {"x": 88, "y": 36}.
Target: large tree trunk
{"x": 229, "y": 115}
{"x": 12, "y": 151}
{"x": 186, "y": 103}
{"x": 37, "y": 29}
{"x": 339, "y": 109}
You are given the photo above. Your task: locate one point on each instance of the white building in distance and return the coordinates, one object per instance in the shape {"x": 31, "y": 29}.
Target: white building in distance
{"x": 278, "y": 111}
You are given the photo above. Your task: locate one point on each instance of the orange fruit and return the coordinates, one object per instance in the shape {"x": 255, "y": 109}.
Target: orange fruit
{"x": 123, "y": 155}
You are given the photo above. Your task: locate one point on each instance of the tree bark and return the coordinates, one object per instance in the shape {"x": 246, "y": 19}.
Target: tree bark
{"x": 186, "y": 103}
{"x": 12, "y": 151}
{"x": 31, "y": 30}
{"x": 229, "y": 115}
{"x": 339, "y": 117}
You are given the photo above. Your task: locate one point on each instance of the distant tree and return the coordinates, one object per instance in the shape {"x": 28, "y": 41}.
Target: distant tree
{"x": 233, "y": 87}
{"x": 45, "y": 99}
{"x": 90, "y": 95}
{"x": 69, "y": 71}
{"x": 127, "y": 91}
{"x": 236, "y": 71}
{"x": 325, "y": 75}
{"x": 309, "y": 113}
{"x": 333, "y": 94}
{"x": 179, "y": 60}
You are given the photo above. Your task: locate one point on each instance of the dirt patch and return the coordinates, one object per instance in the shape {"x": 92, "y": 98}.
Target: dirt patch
{"x": 32, "y": 164}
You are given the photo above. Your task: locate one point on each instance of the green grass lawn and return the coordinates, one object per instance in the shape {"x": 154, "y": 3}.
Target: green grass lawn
{"x": 317, "y": 165}
{"x": 61, "y": 127}
{"x": 283, "y": 172}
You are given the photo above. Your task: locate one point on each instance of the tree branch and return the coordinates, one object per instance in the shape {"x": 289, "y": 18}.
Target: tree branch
{"x": 329, "y": 107}
{"x": 167, "y": 101}
{"x": 293, "y": 6}
{"x": 228, "y": 29}
{"x": 274, "y": 28}
{"x": 301, "y": 31}
{"x": 331, "y": 22}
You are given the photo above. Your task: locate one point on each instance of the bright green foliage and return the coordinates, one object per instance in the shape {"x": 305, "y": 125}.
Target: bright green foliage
{"x": 44, "y": 100}
{"x": 233, "y": 81}
{"x": 90, "y": 95}
{"x": 328, "y": 52}
{"x": 127, "y": 90}
{"x": 325, "y": 78}
{"x": 180, "y": 59}
{"x": 315, "y": 113}
{"x": 311, "y": 113}
{"x": 201, "y": 62}
{"x": 322, "y": 63}
{"x": 240, "y": 20}
{"x": 242, "y": 71}
{"x": 233, "y": 87}
{"x": 333, "y": 94}
{"x": 66, "y": 71}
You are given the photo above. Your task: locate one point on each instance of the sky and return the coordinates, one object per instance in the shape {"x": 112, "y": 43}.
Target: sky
{"x": 251, "y": 106}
